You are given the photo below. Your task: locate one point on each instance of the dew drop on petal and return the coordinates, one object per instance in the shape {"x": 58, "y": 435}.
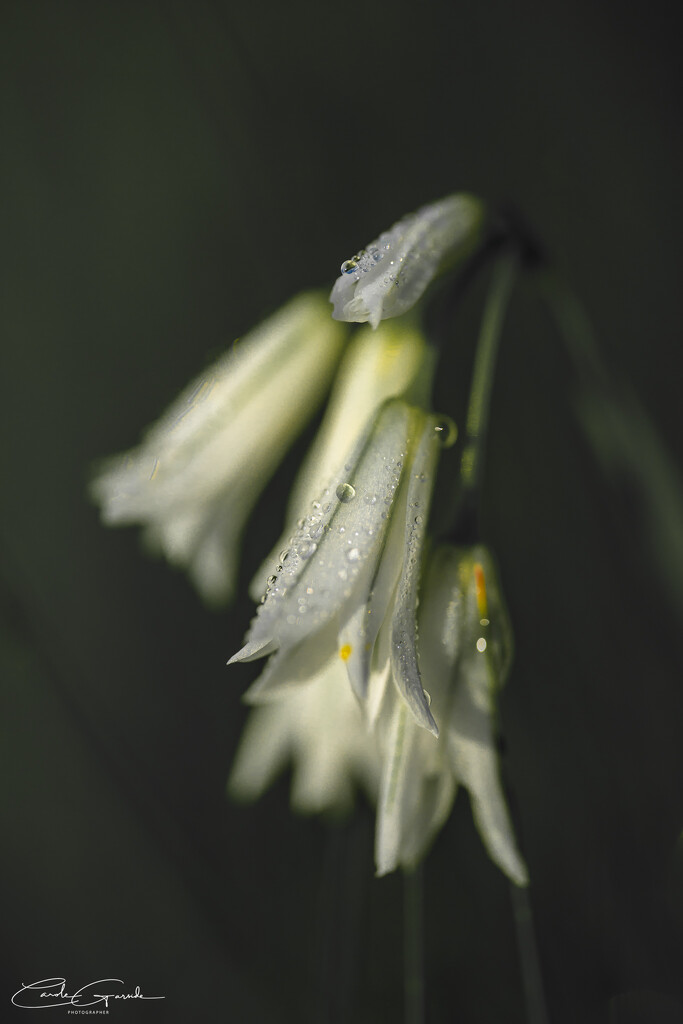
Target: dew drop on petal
{"x": 418, "y": 520}
{"x": 271, "y": 580}
{"x": 346, "y": 493}
{"x": 284, "y": 555}
{"x": 348, "y": 266}
{"x": 306, "y": 549}
{"x": 353, "y": 554}
{"x": 446, "y": 431}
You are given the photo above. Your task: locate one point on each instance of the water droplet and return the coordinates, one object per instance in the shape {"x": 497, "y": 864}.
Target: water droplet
{"x": 481, "y": 644}
{"x": 271, "y": 580}
{"x": 346, "y": 493}
{"x": 353, "y": 555}
{"x": 348, "y": 266}
{"x": 446, "y": 431}
{"x": 315, "y": 531}
{"x": 279, "y": 568}
{"x": 342, "y": 529}
{"x": 418, "y": 519}
{"x": 370, "y": 499}
{"x": 306, "y": 549}
{"x": 284, "y": 554}
{"x": 316, "y": 505}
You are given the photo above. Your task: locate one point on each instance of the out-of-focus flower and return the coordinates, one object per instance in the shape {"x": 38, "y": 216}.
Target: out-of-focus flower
{"x": 318, "y": 727}
{"x": 389, "y": 276}
{"x": 194, "y": 479}
{"x": 465, "y": 654}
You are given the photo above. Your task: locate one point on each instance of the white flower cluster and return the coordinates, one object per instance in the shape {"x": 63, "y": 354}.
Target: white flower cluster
{"x": 341, "y": 696}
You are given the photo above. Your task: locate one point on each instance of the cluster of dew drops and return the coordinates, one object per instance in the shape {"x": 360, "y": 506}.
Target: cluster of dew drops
{"x": 363, "y": 261}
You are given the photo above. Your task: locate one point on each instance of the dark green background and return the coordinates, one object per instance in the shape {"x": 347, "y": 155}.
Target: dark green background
{"x": 171, "y": 172}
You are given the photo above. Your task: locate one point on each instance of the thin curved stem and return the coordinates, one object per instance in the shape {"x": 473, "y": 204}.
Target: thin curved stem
{"x": 413, "y": 946}
{"x": 479, "y": 406}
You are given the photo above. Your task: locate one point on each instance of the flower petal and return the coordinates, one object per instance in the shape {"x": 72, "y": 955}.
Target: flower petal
{"x": 474, "y": 759}
{"x": 320, "y": 728}
{"x": 389, "y": 277}
{"x": 404, "y": 663}
{"x": 342, "y": 536}
{"x": 416, "y": 793}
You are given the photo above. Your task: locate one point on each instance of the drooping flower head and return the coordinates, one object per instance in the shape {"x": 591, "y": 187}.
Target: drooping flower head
{"x": 351, "y": 693}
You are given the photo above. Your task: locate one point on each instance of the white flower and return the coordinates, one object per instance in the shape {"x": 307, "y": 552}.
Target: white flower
{"x": 194, "y": 479}
{"x": 348, "y": 585}
{"x": 465, "y": 653}
{"x": 389, "y": 276}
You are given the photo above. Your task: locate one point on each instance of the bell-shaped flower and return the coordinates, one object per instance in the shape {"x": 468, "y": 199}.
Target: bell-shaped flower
{"x": 346, "y": 573}
{"x": 194, "y": 479}
{"x": 389, "y": 276}
{"x": 465, "y": 654}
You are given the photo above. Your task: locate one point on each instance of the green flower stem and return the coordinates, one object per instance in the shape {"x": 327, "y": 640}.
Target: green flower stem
{"x": 413, "y": 946}
{"x": 484, "y": 369}
{"x": 528, "y": 956}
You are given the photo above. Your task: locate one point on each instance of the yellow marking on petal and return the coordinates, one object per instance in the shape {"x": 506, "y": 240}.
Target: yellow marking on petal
{"x": 480, "y": 591}
{"x": 345, "y": 652}
{"x": 389, "y": 354}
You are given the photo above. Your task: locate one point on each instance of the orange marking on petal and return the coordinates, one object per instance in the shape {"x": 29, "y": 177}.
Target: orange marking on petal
{"x": 480, "y": 591}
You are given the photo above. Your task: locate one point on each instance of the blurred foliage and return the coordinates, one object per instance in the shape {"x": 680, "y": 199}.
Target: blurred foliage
{"x": 171, "y": 173}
